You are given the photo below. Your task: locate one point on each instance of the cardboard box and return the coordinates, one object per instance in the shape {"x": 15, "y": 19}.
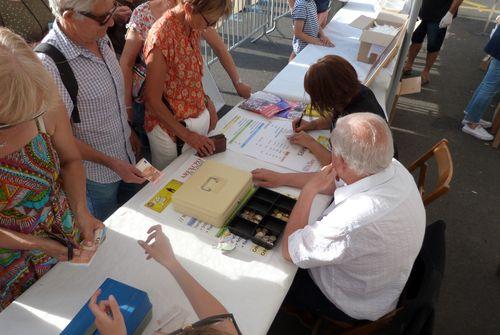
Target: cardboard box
{"x": 213, "y": 193}
{"x": 367, "y": 52}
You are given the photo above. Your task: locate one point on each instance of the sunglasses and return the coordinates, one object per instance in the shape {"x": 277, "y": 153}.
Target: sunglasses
{"x": 212, "y": 320}
{"x": 209, "y": 24}
{"x": 101, "y": 19}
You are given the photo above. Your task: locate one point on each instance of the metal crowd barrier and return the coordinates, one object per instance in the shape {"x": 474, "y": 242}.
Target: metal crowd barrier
{"x": 248, "y": 18}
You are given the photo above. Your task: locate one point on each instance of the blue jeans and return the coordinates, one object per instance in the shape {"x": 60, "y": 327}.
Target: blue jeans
{"x": 484, "y": 93}
{"x": 104, "y": 199}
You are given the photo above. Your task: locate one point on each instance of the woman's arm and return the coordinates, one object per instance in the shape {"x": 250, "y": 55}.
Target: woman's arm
{"x": 133, "y": 45}
{"x": 220, "y": 49}
{"x": 18, "y": 241}
{"x": 72, "y": 172}
{"x": 158, "y": 246}
{"x": 153, "y": 94}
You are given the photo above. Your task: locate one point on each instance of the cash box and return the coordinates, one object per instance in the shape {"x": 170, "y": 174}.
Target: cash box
{"x": 263, "y": 217}
{"x": 134, "y": 306}
{"x": 212, "y": 193}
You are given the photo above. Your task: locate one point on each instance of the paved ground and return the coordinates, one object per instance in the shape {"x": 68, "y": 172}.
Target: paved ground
{"x": 470, "y": 295}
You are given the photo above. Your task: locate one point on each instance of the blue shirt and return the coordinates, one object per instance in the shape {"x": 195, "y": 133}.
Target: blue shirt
{"x": 305, "y": 10}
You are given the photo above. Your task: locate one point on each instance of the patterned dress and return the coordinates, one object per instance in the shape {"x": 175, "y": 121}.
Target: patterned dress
{"x": 31, "y": 202}
{"x": 183, "y": 87}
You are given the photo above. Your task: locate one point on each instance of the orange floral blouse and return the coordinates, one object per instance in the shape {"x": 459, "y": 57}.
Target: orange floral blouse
{"x": 183, "y": 81}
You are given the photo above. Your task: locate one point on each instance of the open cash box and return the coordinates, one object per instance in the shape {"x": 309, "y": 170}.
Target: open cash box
{"x": 262, "y": 217}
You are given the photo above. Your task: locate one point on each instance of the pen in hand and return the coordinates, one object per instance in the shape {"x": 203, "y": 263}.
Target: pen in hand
{"x": 297, "y": 125}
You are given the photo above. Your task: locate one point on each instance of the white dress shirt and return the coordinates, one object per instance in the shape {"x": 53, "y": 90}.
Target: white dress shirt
{"x": 361, "y": 252}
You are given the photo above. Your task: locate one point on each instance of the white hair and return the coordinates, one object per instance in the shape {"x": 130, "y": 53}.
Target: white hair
{"x": 364, "y": 141}
{"x": 59, "y": 6}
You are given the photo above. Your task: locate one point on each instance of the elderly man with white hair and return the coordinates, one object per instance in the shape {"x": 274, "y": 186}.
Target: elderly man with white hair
{"x": 97, "y": 105}
{"x": 360, "y": 253}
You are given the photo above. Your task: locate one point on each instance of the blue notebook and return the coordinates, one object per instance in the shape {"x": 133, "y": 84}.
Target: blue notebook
{"x": 134, "y": 305}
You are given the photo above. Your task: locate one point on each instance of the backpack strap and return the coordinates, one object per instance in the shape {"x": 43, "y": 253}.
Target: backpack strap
{"x": 67, "y": 75}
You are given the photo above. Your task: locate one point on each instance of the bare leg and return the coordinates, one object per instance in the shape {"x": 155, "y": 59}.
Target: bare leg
{"x": 429, "y": 62}
{"x": 412, "y": 54}
{"x": 292, "y": 56}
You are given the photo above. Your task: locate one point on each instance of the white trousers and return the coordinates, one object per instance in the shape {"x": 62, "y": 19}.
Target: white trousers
{"x": 164, "y": 149}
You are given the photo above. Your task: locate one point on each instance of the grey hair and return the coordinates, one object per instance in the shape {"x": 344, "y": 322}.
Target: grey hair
{"x": 59, "y": 6}
{"x": 364, "y": 141}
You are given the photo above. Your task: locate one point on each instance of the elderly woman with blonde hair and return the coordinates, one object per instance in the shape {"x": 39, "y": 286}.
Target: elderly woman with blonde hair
{"x": 43, "y": 212}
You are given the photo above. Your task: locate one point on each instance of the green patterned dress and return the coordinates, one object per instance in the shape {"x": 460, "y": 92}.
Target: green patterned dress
{"x": 31, "y": 202}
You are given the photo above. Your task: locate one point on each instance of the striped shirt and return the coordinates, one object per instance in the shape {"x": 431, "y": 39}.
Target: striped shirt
{"x": 305, "y": 10}
{"x": 100, "y": 99}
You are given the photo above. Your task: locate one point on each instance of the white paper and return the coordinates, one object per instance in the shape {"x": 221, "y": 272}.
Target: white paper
{"x": 267, "y": 140}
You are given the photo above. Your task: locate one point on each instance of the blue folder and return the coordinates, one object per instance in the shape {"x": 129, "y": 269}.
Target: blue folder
{"x": 134, "y": 305}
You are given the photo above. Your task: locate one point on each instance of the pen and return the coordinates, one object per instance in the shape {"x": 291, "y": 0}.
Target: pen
{"x": 300, "y": 120}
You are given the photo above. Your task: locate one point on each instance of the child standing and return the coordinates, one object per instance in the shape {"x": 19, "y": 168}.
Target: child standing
{"x": 306, "y": 28}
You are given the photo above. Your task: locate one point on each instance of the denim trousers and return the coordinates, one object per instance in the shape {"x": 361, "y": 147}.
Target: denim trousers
{"x": 103, "y": 199}
{"x": 484, "y": 93}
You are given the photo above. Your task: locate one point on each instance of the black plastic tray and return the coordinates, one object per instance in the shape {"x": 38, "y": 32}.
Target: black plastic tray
{"x": 263, "y": 202}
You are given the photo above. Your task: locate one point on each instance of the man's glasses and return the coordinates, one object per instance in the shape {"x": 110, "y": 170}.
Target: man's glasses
{"x": 101, "y": 19}
{"x": 212, "y": 320}
{"x": 209, "y": 24}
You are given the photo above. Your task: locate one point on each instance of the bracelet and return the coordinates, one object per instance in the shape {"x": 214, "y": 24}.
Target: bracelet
{"x": 239, "y": 81}
{"x": 129, "y": 107}
{"x": 206, "y": 99}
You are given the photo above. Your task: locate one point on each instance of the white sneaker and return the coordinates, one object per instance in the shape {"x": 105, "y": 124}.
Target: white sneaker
{"x": 478, "y": 132}
{"x": 485, "y": 124}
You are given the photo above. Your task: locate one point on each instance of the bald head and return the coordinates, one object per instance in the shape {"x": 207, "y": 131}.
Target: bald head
{"x": 364, "y": 141}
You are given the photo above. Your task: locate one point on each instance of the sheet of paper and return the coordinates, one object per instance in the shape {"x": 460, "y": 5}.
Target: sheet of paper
{"x": 158, "y": 205}
{"x": 267, "y": 140}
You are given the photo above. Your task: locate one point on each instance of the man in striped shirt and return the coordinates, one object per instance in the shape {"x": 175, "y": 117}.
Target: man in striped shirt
{"x": 102, "y": 134}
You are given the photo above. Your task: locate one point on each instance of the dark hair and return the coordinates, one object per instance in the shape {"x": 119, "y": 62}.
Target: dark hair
{"x": 332, "y": 83}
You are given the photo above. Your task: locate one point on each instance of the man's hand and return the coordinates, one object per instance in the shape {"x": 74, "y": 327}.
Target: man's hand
{"x": 108, "y": 318}
{"x": 244, "y": 90}
{"x": 323, "y": 181}
{"x": 267, "y": 178}
{"x": 302, "y": 139}
{"x": 446, "y": 20}
{"x": 127, "y": 172}
{"x": 158, "y": 247}
{"x": 202, "y": 144}
{"x": 122, "y": 14}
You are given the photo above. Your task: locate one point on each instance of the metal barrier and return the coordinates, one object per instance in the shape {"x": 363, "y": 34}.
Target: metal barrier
{"x": 248, "y": 18}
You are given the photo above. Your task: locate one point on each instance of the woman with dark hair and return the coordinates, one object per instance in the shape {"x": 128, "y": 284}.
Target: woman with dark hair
{"x": 335, "y": 91}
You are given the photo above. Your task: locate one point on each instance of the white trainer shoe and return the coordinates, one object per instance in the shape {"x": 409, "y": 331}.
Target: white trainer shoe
{"x": 478, "y": 132}
{"x": 483, "y": 123}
